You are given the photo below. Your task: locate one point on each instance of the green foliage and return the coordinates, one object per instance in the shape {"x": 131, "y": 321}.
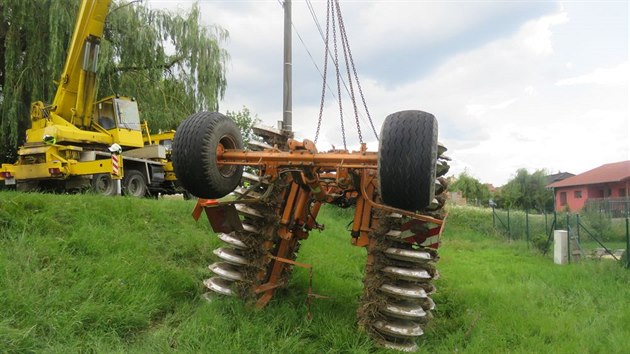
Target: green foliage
{"x": 465, "y": 219}
{"x": 603, "y": 226}
{"x": 527, "y": 192}
{"x": 170, "y": 62}
{"x": 539, "y": 241}
{"x": 600, "y": 222}
{"x": 471, "y": 189}
{"x": 245, "y": 122}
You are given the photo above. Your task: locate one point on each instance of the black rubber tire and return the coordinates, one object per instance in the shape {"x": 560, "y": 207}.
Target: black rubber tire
{"x": 103, "y": 184}
{"x": 407, "y": 159}
{"x": 134, "y": 184}
{"x": 194, "y": 154}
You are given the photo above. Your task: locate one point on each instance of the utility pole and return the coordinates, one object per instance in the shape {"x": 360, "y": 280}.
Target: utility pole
{"x": 287, "y": 114}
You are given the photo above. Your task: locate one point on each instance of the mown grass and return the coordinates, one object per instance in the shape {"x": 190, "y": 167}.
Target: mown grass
{"x": 88, "y": 273}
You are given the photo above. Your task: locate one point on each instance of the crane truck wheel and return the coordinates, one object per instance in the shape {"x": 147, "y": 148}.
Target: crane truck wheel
{"x": 103, "y": 184}
{"x": 407, "y": 159}
{"x": 198, "y": 140}
{"x": 134, "y": 184}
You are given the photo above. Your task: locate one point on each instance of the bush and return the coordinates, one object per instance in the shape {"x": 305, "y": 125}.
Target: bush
{"x": 539, "y": 241}
{"x": 470, "y": 218}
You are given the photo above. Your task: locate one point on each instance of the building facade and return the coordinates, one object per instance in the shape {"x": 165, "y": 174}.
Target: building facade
{"x": 607, "y": 182}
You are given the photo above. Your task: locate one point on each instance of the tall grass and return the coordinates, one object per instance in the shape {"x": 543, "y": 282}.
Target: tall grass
{"x": 88, "y": 273}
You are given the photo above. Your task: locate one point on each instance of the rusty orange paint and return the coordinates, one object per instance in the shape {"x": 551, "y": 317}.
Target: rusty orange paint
{"x": 314, "y": 178}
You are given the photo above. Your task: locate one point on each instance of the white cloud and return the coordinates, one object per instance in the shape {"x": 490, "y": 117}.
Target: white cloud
{"x": 617, "y": 75}
{"x": 500, "y": 108}
{"x": 537, "y": 35}
{"x": 506, "y": 98}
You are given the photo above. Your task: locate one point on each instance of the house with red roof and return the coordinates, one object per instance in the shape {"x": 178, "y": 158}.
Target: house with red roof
{"x": 609, "y": 181}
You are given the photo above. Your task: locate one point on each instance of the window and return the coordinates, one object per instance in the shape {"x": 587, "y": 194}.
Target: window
{"x": 563, "y": 198}
{"x": 128, "y": 115}
{"x": 577, "y": 194}
{"x": 104, "y": 115}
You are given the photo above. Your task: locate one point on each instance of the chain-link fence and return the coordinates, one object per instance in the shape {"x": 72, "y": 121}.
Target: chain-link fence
{"x": 593, "y": 233}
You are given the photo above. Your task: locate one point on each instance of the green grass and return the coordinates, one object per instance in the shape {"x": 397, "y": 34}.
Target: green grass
{"x": 89, "y": 273}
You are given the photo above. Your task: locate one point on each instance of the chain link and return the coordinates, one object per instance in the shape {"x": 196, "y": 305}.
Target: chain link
{"x": 332, "y": 6}
{"x": 345, "y": 46}
{"x": 344, "y": 34}
{"x": 338, "y": 75}
{"x": 321, "y": 104}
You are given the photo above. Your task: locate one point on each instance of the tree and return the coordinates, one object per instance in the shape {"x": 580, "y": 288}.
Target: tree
{"x": 471, "y": 188}
{"x": 245, "y": 122}
{"x": 528, "y": 191}
{"x": 170, "y": 62}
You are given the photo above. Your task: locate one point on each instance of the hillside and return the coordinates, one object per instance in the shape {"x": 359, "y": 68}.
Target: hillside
{"x": 90, "y": 273}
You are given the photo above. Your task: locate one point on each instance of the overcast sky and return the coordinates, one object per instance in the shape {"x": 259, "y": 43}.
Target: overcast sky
{"x": 513, "y": 84}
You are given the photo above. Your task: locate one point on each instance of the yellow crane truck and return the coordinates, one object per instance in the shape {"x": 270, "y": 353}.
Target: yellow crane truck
{"x": 76, "y": 143}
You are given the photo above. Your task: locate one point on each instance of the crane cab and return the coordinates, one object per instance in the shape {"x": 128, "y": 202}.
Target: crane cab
{"x": 119, "y": 116}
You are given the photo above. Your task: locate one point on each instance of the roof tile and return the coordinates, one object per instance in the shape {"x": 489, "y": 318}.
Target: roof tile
{"x": 612, "y": 172}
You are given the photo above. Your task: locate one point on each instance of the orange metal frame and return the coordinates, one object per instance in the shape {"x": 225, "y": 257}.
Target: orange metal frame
{"x": 315, "y": 178}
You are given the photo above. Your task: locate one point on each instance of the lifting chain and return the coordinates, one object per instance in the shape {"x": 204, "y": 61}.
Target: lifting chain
{"x": 336, "y": 61}
{"x": 321, "y": 104}
{"x": 344, "y": 34}
{"x": 332, "y": 6}
{"x": 345, "y": 47}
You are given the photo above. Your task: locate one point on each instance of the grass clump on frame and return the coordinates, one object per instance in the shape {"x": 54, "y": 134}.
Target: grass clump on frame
{"x": 91, "y": 273}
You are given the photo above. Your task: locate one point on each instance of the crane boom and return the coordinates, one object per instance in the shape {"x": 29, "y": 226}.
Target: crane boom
{"x": 76, "y": 91}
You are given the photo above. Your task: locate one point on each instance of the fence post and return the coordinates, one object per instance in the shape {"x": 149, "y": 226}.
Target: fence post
{"x": 577, "y": 227}
{"x": 569, "y": 235}
{"x": 509, "y": 230}
{"x": 527, "y": 226}
{"x": 627, "y": 244}
{"x": 494, "y": 221}
{"x": 545, "y": 212}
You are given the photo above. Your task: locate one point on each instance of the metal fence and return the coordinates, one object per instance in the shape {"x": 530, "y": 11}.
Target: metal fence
{"x": 615, "y": 207}
{"x": 592, "y": 234}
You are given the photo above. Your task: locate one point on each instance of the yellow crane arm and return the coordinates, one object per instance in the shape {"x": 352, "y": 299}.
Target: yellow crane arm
{"x": 76, "y": 90}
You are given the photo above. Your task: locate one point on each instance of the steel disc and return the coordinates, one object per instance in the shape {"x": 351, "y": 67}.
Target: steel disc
{"x": 408, "y": 273}
{"x": 219, "y": 285}
{"x": 248, "y": 211}
{"x": 399, "y": 329}
{"x": 231, "y": 256}
{"x": 406, "y": 291}
{"x": 225, "y": 271}
{"x": 416, "y": 256}
{"x": 232, "y": 240}
{"x": 408, "y": 311}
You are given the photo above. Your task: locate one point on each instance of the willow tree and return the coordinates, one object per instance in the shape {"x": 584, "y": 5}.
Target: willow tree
{"x": 170, "y": 62}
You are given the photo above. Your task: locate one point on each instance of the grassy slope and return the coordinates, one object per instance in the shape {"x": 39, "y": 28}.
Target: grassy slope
{"x": 123, "y": 275}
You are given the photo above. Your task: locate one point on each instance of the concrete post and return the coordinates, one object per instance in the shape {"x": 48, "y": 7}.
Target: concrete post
{"x": 560, "y": 247}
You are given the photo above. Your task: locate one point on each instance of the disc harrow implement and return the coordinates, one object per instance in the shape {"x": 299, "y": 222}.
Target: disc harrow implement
{"x": 277, "y": 187}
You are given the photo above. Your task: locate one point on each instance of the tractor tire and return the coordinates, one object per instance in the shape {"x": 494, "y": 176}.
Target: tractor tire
{"x": 407, "y": 159}
{"x": 134, "y": 184}
{"x": 194, "y": 154}
{"x": 103, "y": 184}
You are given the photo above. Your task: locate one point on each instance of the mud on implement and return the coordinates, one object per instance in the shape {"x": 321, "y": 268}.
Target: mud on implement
{"x": 278, "y": 186}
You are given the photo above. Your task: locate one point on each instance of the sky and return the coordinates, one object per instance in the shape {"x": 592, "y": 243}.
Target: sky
{"x": 513, "y": 84}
